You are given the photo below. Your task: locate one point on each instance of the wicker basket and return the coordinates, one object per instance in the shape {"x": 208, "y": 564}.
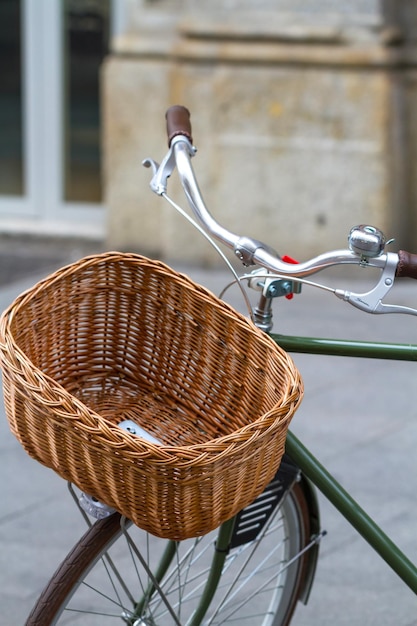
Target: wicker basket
{"x": 117, "y": 336}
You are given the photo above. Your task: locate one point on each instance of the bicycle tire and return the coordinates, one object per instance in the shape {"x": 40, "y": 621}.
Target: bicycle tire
{"x": 76, "y": 576}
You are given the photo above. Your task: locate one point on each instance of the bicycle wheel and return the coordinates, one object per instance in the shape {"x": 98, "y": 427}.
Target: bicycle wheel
{"x": 102, "y": 578}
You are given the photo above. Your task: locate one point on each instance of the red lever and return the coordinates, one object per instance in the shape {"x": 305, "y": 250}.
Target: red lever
{"x": 288, "y": 259}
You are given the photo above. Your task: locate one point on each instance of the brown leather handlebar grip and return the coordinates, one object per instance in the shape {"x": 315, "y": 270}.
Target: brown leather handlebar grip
{"x": 178, "y": 123}
{"x": 407, "y": 265}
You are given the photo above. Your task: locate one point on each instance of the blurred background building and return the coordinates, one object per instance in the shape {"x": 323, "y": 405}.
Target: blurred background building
{"x": 304, "y": 112}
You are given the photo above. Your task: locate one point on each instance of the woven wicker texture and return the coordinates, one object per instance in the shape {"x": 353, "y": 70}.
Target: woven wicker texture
{"x": 117, "y": 336}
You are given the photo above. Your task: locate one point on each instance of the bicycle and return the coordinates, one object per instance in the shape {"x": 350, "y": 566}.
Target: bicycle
{"x": 222, "y": 566}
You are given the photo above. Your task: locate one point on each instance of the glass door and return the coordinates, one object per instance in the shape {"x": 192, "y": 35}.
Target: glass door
{"x": 86, "y": 42}
{"x": 50, "y": 159}
{"x": 11, "y": 102}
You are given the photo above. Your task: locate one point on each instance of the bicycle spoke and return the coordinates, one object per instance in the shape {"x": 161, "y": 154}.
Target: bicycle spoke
{"x": 132, "y": 577}
{"x": 152, "y": 578}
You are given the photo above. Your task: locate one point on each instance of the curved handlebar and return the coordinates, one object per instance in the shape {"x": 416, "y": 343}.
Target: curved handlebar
{"x": 366, "y": 243}
{"x": 251, "y": 251}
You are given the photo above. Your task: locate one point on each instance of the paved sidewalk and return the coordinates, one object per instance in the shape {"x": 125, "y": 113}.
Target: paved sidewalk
{"x": 358, "y": 416}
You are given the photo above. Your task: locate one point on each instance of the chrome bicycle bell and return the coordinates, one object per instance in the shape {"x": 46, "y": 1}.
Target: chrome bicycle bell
{"x": 366, "y": 241}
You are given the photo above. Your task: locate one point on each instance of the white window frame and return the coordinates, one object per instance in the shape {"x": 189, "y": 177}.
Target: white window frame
{"x": 42, "y": 209}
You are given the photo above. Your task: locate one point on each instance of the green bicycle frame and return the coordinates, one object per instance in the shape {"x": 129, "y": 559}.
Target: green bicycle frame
{"x": 341, "y": 347}
{"x": 320, "y": 477}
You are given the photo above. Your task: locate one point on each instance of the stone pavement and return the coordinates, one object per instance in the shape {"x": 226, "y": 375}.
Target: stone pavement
{"x": 358, "y": 416}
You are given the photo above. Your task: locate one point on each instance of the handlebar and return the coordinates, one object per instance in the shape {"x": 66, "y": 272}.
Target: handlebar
{"x": 366, "y": 244}
{"x": 248, "y": 250}
{"x": 178, "y": 123}
{"x": 407, "y": 265}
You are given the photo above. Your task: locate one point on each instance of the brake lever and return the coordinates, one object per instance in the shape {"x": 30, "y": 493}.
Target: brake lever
{"x": 371, "y": 301}
{"x": 162, "y": 172}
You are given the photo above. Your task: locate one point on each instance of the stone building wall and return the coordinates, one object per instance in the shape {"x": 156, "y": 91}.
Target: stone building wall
{"x": 304, "y": 117}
